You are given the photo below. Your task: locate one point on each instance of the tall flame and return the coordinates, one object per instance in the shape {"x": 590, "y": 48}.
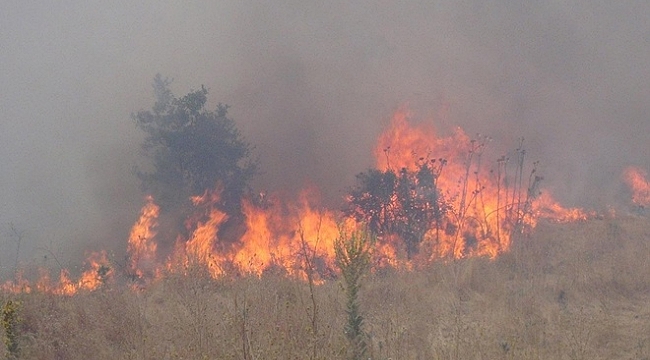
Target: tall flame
{"x": 476, "y": 224}
{"x": 637, "y": 179}
{"x": 142, "y": 246}
{"x": 486, "y": 204}
{"x": 280, "y": 235}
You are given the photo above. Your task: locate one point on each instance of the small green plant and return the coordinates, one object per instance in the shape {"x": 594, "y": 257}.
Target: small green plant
{"x": 353, "y": 259}
{"x": 10, "y": 323}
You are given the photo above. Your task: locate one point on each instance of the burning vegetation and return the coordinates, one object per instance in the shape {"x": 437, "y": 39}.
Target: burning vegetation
{"x": 429, "y": 198}
{"x": 637, "y": 180}
{"x": 440, "y": 203}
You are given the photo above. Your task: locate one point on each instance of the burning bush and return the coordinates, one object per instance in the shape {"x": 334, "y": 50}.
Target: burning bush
{"x": 451, "y": 202}
{"x": 407, "y": 205}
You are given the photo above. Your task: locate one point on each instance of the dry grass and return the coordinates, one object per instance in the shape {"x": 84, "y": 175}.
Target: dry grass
{"x": 572, "y": 291}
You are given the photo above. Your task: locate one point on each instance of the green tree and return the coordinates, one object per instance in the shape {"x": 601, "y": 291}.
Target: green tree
{"x": 192, "y": 150}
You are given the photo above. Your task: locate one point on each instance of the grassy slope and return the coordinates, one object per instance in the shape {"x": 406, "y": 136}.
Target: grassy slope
{"x": 571, "y": 291}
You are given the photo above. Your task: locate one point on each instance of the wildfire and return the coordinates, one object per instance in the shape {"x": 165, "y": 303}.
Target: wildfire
{"x": 199, "y": 248}
{"x": 477, "y": 209}
{"x": 430, "y": 197}
{"x": 284, "y": 235}
{"x": 142, "y": 246}
{"x": 547, "y": 208}
{"x": 99, "y": 273}
{"x": 279, "y": 236}
{"x": 637, "y": 179}
{"x": 476, "y": 206}
{"x": 403, "y": 144}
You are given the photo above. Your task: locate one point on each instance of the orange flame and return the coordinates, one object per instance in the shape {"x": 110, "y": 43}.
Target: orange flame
{"x": 279, "y": 235}
{"x": 141, "y": 246}
{"x": 486, "y": 207}
{"x": 403, "y": 144}
{"x": 546, "y": 207}
{"x": 199, "y": 248}
{"x": 285, "y": 233}
{"x": 637, "y": 179}
{"x": 18, "y": 285}
{"x": 100, "y": 272}
{"x": 476, "y": 224}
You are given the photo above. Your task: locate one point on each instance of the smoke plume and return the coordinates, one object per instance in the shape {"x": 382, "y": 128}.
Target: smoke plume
{"x": 311, "y": 85}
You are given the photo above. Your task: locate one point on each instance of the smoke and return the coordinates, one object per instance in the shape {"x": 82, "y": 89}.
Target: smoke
{"x": 311, "y": 85}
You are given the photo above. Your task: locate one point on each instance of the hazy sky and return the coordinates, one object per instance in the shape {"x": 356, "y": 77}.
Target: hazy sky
{"x": 311, "y": 84}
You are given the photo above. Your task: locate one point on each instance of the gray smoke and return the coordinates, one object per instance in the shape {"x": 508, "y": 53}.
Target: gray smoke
{"x": 311, "y": 84}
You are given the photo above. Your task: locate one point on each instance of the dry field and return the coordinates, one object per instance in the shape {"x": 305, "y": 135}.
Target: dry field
{"x": 570, "y": 291}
